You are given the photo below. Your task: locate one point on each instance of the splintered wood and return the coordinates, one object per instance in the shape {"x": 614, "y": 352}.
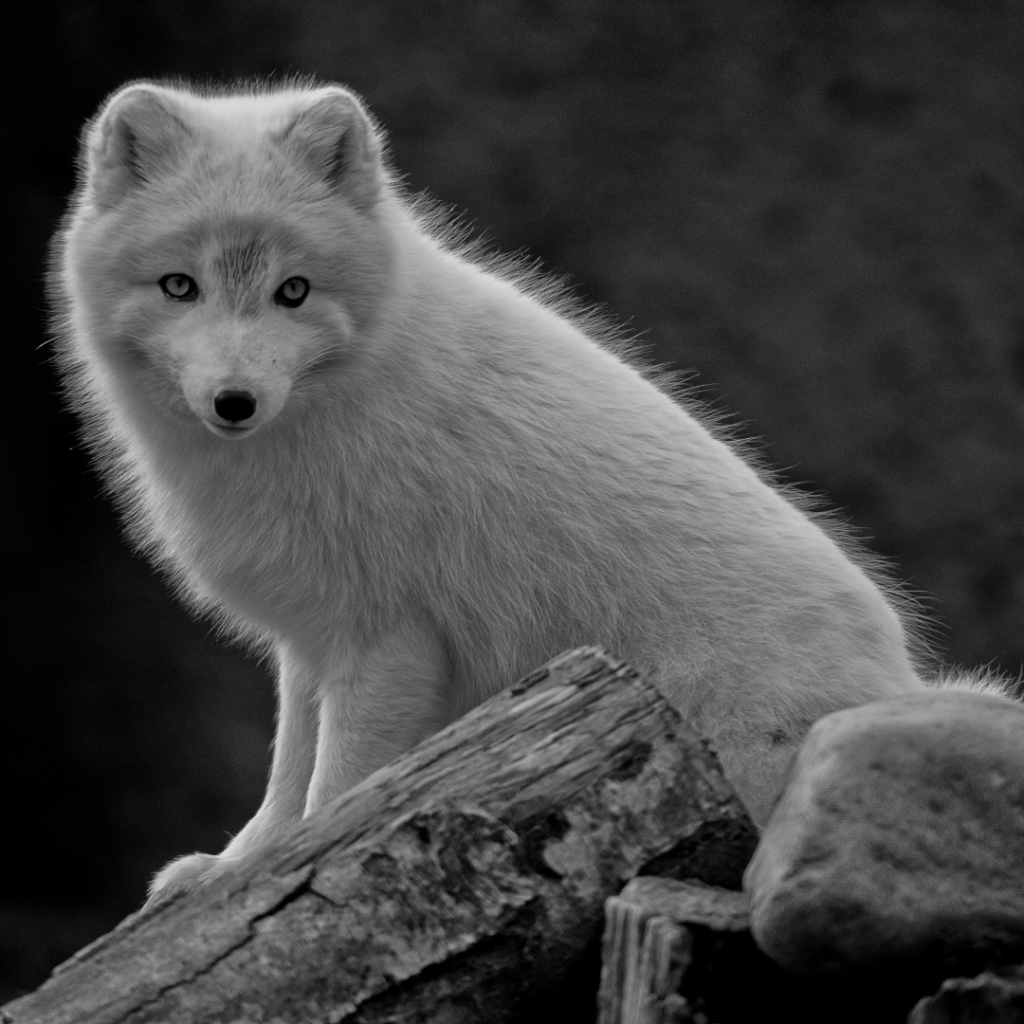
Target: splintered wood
{"x": 677, "y": 952}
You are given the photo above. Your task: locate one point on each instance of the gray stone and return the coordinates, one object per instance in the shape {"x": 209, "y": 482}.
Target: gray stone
{"x": 993, "y": 997}
{"x": 898, "y": 841}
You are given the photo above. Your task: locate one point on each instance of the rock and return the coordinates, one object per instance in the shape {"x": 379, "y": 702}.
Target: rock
{"x": 993, "y": 997}
{"x": 898, "y": 841}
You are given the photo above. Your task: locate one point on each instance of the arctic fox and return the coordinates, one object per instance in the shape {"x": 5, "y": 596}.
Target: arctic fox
{"x": 415, "y": 473}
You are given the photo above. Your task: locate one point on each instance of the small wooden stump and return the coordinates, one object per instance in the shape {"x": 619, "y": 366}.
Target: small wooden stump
{"x": 676, "y": 952}
{"x": 464, "y": 882}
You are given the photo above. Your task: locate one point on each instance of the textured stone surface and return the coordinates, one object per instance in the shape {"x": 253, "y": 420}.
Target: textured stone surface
{"x": 993, "y": 997}
{"x": 898, "y": 841}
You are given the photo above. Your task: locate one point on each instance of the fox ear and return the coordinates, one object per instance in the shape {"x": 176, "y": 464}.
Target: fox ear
{"x": 136, "y": 138}
{"x": 336, "y": 139}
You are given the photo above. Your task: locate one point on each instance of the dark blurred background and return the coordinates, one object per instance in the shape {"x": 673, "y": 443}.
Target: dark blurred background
{"x": 816, "y": 208}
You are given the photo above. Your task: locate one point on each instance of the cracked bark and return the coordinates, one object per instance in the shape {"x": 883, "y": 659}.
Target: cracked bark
{"x": 464, "y": 882}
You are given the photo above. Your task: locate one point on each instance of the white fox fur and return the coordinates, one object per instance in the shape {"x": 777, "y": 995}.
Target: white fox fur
{"x": 439, "y": 476}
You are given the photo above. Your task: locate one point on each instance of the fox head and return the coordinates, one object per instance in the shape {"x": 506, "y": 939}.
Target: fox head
{"x": 224, "y": 250}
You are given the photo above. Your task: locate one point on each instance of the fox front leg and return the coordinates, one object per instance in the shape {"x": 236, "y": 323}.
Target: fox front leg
{"x": 285, "y": 799}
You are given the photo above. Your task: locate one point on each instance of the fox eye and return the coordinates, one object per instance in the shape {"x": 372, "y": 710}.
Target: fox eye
{"x": 180, "y": 287}
{"x": 293, "y": 292}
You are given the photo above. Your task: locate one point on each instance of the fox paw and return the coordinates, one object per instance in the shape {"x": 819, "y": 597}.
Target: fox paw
{"x": 186, "y": 874}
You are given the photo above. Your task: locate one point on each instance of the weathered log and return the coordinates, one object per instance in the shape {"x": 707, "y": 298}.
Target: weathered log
{"x": 464, "y": 882}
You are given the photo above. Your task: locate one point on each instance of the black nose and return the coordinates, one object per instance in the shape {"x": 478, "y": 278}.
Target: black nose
{"x": 235, "y": 406}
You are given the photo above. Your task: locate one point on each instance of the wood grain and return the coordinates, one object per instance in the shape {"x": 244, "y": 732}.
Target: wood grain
{"x": 463, "y": 882}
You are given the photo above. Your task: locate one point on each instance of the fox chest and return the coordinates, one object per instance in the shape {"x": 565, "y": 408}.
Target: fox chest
{"x": 261, "y": 559}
